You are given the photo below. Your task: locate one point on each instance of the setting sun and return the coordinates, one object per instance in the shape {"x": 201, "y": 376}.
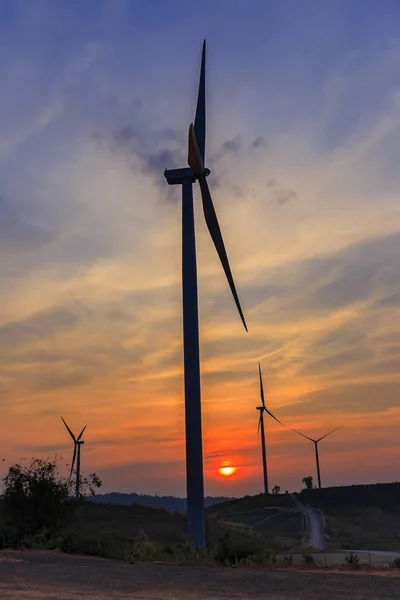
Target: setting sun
{"x": 227, "y": 471}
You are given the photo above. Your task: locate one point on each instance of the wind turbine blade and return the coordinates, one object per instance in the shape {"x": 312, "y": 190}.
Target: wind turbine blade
{"x": 200, "y": 118}
{"x": 73, "y": 463}
{"x": 274, "y": 417}
{"x": 216, "y": 235}
{"x": 195, "y": 160}
{"x": 81, "y": 434}
{"x": 69, "y": 431}
{"x": 259, "y": 423}
{"x": 326, "y": 435}
{"x": 261, "y": 387}
{"x": 304, "y": 436}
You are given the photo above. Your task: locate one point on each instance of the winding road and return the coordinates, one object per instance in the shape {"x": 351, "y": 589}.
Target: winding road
{"x": 315, "y": 523}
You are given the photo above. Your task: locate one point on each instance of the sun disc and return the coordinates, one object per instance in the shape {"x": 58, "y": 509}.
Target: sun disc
{"x": 227, "y": 471}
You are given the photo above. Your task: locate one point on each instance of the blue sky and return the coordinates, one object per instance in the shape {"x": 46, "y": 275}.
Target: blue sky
{"x": 303, "y": 130}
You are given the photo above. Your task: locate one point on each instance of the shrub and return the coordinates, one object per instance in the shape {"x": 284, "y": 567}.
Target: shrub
{"x": 142, "y": 548}
{"x": 308, "y": 560}
{"x": 288, "y": 561}
{"x": 352, "y": 560}
{"x": 272, "y": 557}
{"x": 226, "y": 551}
{"x": 35, "y": 502}
{"x": 396, "y": 563}
{"x": 34, "y": 497}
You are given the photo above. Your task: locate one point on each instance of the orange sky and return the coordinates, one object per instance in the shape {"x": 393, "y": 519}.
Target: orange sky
{"x": 90, "y": 299}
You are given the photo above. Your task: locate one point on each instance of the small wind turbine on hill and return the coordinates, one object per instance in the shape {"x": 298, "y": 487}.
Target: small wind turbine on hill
{"x": 316, "y": 449}
{"x": 262, "y": 410}
{"x": 186, "y": 177}
{"x": 76, "y": 456}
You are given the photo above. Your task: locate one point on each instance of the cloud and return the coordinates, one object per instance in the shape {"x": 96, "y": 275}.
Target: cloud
{"x": 258, "y": 142}
{"x": 232, "y": 146}
{"x": 307, "y": 198}
{"x": 17, "y": 233}
{"x": 91, "y": 52}
{"x": 152, "y": 163}
{"x": 278, "y": 195}
{"x": 32, "y": 125}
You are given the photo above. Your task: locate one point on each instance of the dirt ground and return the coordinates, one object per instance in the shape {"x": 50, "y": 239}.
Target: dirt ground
{"x": 43, "y": 575}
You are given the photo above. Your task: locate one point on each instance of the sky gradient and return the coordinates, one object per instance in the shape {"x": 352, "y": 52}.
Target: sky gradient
{"x": 302, "y": 142}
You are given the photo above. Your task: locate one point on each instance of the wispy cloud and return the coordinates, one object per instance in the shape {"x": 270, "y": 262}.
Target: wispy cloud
{"x": 302, "y": 150}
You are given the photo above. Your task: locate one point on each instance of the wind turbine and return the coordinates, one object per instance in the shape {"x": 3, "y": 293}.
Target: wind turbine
{"x": 262, "y": 410}
{"x": 186, "y": 177}
{"x": 316, "y": 449}
{"x": 77, "y": 455}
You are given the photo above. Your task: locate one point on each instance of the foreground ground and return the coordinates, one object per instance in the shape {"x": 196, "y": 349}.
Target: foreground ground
{"x": 45, "y": 575}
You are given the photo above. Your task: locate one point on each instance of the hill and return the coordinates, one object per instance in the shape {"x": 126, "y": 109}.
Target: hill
{"x": 384, "y": 495}
{"x": 363, "y": 517}
{"x": 172, "y": 503}
{"x": 273, "y": 520}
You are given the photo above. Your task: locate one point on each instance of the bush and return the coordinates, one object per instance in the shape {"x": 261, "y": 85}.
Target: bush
{"x": 35, "y": 503}
{"x": 142, "y": 547}
{"x": 352, "y": 560}
{"x": 288, "y": 561}
{"x": 308, "y": 560}
{"x": 396, "y": 563}
{"x": 109, "y": 546}
{"x": 229, "y": 552}
{"x": 272, "y": 557}
{"x": 34, "y": 497}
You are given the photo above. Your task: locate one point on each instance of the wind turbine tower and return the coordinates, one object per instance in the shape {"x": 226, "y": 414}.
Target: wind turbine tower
{"x": 315, "y": 442}
{"x": 76, "y": 456}
{"x": 263, "y": 409}
{"x": 186, "y": 177}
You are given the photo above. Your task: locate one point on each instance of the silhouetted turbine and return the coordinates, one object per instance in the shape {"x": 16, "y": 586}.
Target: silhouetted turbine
{"x": 186, "y": 177}
{"x": 76, "y": 456}
{"x": 316, "y": 449}
{"x": 263, "y": 409}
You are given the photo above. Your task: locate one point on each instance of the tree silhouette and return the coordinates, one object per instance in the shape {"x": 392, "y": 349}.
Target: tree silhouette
{"x": 308, "y": 482}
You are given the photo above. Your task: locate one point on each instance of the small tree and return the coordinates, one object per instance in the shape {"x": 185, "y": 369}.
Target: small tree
{"x": 87, "y": 485}
{"x": 276, "y": 490}
{"x": 35, "y": 496}
{"x": 308, "y": 482}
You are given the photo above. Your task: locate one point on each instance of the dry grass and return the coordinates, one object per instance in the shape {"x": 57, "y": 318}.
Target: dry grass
{"x": 364, "y": 528}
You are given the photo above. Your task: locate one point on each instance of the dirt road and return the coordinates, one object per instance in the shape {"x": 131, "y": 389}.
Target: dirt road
{"x": 42, "y": 575}
{"x": 315, "y": 524}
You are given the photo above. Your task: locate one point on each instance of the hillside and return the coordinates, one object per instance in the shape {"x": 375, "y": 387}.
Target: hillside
{"x": 361, "y": 517}
{"x": 272, "y": 520}
{"x": 384, "y": 495}
{"x": 364, "y": 517}
{"x": 167, "y": 502}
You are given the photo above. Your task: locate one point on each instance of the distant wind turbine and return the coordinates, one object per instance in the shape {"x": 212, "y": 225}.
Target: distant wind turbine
{"x": 316, "y": 449}
{"x": 76, "y": 456}
{"x": 262, "y": 410}
{"x": 186, "y": 177}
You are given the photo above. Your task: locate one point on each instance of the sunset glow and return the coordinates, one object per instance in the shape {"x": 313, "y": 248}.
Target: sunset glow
{"x": 306, "y": 186}
{"x": 227, "y": 471}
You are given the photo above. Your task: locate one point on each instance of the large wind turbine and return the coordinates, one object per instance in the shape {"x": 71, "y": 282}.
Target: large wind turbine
{"x": 316, "y": 449}
{"x": 76, "y": 456}
{"x": 262, "y": 410}
{"x": 186, "y": 177}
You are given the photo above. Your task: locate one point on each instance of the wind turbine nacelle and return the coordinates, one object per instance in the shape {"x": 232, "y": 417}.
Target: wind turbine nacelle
{"x": 178, "y": 176}
{"x": 260, "y": 408}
